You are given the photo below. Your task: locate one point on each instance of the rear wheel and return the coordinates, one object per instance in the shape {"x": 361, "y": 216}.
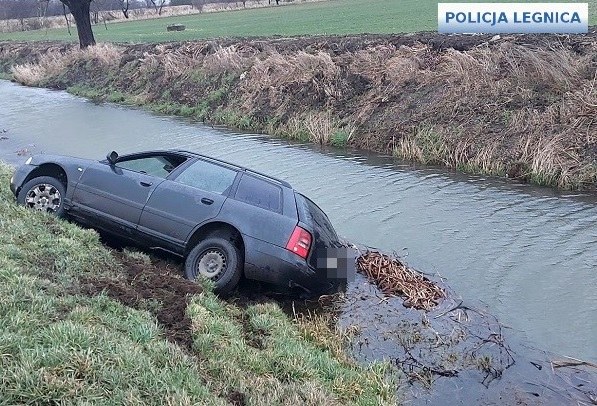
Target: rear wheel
{"x": 217, "y": 259}
{"x": 43, "y": 193}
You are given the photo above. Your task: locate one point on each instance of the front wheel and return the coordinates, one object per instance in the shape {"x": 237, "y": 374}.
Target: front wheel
{"x": 43, "y": 193}
{"x": 216, "y": 259}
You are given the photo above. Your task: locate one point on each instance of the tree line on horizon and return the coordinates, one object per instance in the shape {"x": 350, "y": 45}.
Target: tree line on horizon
{"x": 21, "y": 9}
{"x": 82, "y": 10}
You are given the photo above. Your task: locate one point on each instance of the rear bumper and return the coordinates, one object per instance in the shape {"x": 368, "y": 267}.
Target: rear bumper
{"x": 272, "y": 264}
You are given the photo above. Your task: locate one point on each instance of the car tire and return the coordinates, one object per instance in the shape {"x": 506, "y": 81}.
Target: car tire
{"x": 217, "y": 259}
{"x": 43, "y": 193}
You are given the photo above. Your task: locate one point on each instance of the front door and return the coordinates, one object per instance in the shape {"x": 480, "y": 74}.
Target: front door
{"x": 193, "y": 197}
{"x": 116, "y": 194}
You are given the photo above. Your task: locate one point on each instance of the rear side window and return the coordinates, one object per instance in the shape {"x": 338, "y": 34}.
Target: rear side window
{"x": 260, "y": 193}
{"x": 207, "y": 176}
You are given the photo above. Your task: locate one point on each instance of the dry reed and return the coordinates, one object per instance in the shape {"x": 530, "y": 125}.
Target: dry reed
{"x": 526, "y": 111}
{"x": 53, "y": 64}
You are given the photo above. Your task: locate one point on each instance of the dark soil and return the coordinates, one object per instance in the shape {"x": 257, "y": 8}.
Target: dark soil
{"x": 144, "y": 284}
{"x": 236, "y": 398}
{"x": 339, "y": 44}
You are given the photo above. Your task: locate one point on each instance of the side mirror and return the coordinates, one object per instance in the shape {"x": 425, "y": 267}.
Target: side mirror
{"x": 112, "y": 157}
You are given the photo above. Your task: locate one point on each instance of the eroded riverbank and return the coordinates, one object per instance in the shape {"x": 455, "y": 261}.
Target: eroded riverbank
{"x": 517, "y": 106}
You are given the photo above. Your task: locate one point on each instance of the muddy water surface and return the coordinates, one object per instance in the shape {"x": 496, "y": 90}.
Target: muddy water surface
{"x": 529, "y": 254}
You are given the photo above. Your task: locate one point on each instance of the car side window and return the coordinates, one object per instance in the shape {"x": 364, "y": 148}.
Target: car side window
{"x": 207, "y": 176}
{"x": 260, "y": 193}
{"x": 159, "y": 166}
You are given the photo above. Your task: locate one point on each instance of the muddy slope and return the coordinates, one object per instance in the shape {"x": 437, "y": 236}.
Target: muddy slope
{"x": 156, "y": 287}
{"x": 521, "y": 106}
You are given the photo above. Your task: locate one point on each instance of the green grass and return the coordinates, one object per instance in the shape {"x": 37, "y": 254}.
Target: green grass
{"x": 321, "y": 18}
{"x": 60, "y": 346}
{"x": 329, "y": 17}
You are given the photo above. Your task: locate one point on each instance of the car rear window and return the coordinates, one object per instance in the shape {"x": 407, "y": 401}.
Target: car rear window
{"x": 259, "y": 193}
{"x": 310, "y": 213}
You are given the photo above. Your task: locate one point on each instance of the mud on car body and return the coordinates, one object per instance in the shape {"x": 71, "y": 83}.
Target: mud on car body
{"x": 223, "y": 219}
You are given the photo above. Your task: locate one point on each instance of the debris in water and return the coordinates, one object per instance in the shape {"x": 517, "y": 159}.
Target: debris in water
{"x": 396, "y": 279}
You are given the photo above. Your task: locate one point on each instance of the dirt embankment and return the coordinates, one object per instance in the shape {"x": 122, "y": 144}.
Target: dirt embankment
{"x": 156, "y": 287}
{"x": 520, "y": 106}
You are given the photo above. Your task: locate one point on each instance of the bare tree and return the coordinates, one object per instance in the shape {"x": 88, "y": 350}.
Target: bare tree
{"x": 80, "y": 10}
{"x": 157, "y": 4}
{"x": 124, "y": 6}
{"x": 198, "y": 4}
{"x": 19, "y": 10}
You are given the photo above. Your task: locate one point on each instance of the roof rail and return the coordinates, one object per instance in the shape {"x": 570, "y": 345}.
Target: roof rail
{"x": 280, "y": 181}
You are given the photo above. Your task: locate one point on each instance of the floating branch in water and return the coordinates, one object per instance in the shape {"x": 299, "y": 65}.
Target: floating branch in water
{"x": 395, "y": 278}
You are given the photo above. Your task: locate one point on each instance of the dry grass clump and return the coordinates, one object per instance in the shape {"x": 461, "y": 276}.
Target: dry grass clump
{"x": 556, "y": 68}
{"x": 395, "y": 278}
{"x": 176, "y": 61}
{"x": 323, "y": 330}
{"x": 509, "y": 109}
{"x": 425, "y": 145}
{"x": 104, "y": 53}
{"x": 320, "y": 126}
{"x": 172, "y": 62}
{"x": 510, "y": 68}
{"x": 55, "y": 63}
{"x": 30, "y": 74}
{"x": 371, "y": 63}
{"x": 385, "y": 63}
{"x": 49, "y": 65}
{"x": 229, "y": 59}
{"x": 280, "y": 78}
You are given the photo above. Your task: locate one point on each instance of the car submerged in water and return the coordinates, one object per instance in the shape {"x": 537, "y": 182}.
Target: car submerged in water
{"x": 226, "y": 221}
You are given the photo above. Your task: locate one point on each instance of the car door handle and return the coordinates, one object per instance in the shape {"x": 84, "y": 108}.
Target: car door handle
{"x": 146, "y": 184}
{"x": 207, "y": 201}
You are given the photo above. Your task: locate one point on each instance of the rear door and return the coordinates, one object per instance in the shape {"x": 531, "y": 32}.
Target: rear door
{"x": 194, "y": 196}
{"x": 116, "y": 194}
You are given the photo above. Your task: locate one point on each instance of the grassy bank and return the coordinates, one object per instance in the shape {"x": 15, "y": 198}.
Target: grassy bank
{"x": 520, "y": 106}
{"x": 80, "y": 323}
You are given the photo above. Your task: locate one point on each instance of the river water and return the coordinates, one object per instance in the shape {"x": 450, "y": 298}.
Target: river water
{"x": 529, "y": 254}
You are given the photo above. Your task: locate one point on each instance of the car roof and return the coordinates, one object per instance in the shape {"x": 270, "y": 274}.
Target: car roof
{"x": 235, "y": 166}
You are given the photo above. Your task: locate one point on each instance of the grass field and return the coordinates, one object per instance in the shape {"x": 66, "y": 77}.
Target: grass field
{"x": 331, "y": 17}
{"x": 321, "y": 18}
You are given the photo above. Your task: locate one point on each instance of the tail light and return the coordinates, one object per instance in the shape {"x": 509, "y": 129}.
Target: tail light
{"x": 299, "y": 242}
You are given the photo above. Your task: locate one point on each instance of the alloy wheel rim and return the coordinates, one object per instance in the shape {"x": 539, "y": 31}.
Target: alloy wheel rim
{"x": 43, "y": 197}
